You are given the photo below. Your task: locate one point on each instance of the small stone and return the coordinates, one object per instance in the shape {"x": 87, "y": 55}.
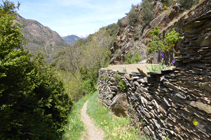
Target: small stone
{"x": 180, "y": 95}
{"x": 114, "y": 88}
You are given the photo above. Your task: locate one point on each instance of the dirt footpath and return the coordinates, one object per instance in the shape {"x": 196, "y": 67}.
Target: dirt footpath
{"x": 130, "y": 67}
{"x": 93, "y": 133}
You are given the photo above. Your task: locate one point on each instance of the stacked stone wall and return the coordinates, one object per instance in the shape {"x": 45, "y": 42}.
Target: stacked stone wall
{"x": 174, "y": 103}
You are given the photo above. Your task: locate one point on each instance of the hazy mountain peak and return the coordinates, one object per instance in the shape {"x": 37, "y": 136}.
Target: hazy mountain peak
{"x": 78, "y": 35}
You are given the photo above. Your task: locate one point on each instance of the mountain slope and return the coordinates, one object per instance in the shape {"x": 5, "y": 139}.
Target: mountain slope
{"x": 71, "y": 39}
{"x": 41, "y": 38}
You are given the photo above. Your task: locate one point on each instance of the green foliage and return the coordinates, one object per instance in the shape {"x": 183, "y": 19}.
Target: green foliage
{"x": 117, "y": 77}
{"x": 122, "y": 85}
{"x": 147, "y": 12}
{"x": 82, "y": 61}
{"x": 119, "y": 81}
{"x": 188, "y": 4}
{"x": 75, "y": 127}
{"x": 137, "y": 33}
{"x": 170, "y": 40}
{"x": 105, "y": 76}
{"x": 157, "y": 44}
{"x": 32, "y": 98}
{"x": 124, "y": 69}
{"x": 132, "y": 58}
{"x": 114, "y": 128}
{"x": 156, "y": 67}
{"x": 167, "y": 2}
{"x": 133, "y": 16}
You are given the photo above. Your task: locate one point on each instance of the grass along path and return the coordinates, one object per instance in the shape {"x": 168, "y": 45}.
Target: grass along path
{"x": 114, "y": 127}
{"x": 75, "y": 128}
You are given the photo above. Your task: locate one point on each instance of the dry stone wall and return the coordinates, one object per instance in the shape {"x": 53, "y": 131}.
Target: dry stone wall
{"x": 174, "y": 103}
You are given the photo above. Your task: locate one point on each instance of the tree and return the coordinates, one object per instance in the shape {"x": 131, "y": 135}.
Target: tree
{"x": 167, "y": 44}
{"x": 147, "y": 12}
{"x": 187, "y": 4}
{"x": 33, "y": 104}
{"x": 155, "y": 44}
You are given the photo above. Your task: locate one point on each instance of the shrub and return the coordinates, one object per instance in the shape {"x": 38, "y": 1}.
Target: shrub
{"x": 132, "y": 58}
{"x": 133, "y": 17}
{"x": 187, "y": 4}
{"x": 122, "y": 85}
{"x": 147, "y": 12}
{"x": 32, "y": 98}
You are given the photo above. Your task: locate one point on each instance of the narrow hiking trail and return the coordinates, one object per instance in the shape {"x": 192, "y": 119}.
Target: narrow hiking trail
{"x": 93, "y": 133}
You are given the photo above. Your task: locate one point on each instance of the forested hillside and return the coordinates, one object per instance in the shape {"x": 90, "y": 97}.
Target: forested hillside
{"x": 33, "y": 104}
{"x": 79, "y": 64}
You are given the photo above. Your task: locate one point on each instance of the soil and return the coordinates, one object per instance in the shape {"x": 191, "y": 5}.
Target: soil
{"x": 93, "y": 133}
{"x": 132, "y": 67}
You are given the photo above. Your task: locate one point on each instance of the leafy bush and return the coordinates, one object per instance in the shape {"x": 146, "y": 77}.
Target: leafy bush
{"x": 147, "y": 12}
{"x": 133, "y": 17}
{"x": 167, "y": 2}
{"x": 120, "y": 82}
{"x": 32, "y": 98}
{"x": 132, "y": 58}
{"x": 188, "y": 3}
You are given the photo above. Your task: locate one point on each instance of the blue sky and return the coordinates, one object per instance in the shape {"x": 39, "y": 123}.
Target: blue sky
{"x": 75, "y": 16}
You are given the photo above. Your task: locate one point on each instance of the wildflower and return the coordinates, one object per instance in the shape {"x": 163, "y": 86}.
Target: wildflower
{"x": 195, "y": 122}
{"x": 162, "y": 55}
{"x": 101, "y": 123}
{"x": 164, "y": 7}
{"x": 173, "y": 61}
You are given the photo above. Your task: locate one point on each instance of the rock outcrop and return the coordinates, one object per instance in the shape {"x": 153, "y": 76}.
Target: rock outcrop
{"x": 125, "y": 41}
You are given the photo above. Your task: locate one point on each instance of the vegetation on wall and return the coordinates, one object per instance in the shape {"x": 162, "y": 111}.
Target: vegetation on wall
{"x": 164, "y": 45}
{"x": 33, "y": 104}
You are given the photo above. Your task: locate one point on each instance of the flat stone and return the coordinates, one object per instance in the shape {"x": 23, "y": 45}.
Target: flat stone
{"x": 136, "y": 83}
{"x": 142, "y": 72}
{"x": 180, "y": 95}
{"x": 135, "y": 78}
{"x": 200, "y": 105}
{"x": 112, "y": 79}
{"x": 114, "y": 88}
{"x": 142, "y": 80}
{"x": 154, "y": 73}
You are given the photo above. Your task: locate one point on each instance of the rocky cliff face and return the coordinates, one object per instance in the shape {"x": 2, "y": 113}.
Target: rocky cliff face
{"x": 41, "y": 38}
{"x": 126, "y": 42}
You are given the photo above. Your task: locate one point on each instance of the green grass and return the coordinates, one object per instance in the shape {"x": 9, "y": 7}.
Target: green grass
{"x": 75, "y": 127}
{"x": 114, "y": 127}
{"x": 156, "y": 67}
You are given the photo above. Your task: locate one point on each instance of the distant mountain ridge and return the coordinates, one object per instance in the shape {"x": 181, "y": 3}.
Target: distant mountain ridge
{"x": 71, "y": 39}
{"x": 41, "y": 38}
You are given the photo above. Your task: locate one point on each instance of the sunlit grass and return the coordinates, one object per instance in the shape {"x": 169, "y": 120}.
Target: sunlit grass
{"x": 117, "y": 128}
{"x": 75, "y": 127}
